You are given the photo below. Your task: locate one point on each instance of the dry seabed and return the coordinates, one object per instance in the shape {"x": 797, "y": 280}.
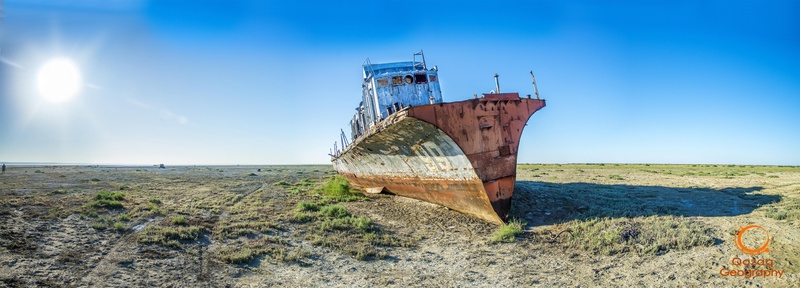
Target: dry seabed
{"x": 218, "y": 226}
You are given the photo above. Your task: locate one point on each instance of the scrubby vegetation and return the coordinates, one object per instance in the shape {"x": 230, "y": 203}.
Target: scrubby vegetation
{"x": 786, "y": 209}
{"x": 337, "y": 189}
{"x": 508, "y": 232}
{"x": 643, "y": 235}
{"x": 215, "y": 221}
{"x": 170, "y": 236}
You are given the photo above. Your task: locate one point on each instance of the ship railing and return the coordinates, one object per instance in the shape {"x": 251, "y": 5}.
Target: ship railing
{"x": 424, "y": 66}
{"x": 368, "y": 65}
{"x": 343, "y": 140}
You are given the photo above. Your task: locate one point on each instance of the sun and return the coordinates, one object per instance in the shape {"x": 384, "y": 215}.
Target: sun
{"x": 59, "y": 80}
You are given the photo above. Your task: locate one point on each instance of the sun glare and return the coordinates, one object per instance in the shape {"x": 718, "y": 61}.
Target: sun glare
{"x": 59, "y": 80}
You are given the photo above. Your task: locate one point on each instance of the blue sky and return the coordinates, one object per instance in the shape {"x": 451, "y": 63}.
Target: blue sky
{"x": 272, "y": 82}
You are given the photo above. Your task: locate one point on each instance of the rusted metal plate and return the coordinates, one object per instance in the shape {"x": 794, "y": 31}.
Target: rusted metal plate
{"x": 484, "y": 128}
{"x": 461, "y": 155}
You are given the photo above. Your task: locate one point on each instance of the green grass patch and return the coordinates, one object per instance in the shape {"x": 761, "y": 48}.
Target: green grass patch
{"x": 337, "y": 189}
{"x": 282, "y": 183}
{"x": 615, "y": 177}
{"x": 179, "y": 220}
{"x": 334, "y": 211}
{"x": 306, "y": 206}
{"x": 508, "y": 232}
{"x": 154, "y": 209}
{"x": 110, "y": 204}
{"x": 123, "y": 217}
{"x": 108, "y": 195}
{"x": 303, "y": 217}
{"x": 119, "y": 227}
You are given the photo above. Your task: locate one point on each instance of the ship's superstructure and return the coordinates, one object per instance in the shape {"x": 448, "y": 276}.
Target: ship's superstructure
{"x": 390, "y": 87}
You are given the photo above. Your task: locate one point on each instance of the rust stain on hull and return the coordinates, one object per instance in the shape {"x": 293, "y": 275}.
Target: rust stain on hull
{"x": 461, "y": 155}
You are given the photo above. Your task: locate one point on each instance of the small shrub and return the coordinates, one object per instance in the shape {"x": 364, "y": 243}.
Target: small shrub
{"x": 337, "y": 189}
{"x": 179, "y": 220}
{"x": 615, "y": 177}
{"x": 123, "y": 217}
{"x": 362, "y": 224}
{"x": 508, "y": 232}
{"x": 107, "y": 195}
{"x": 113, "y": 204}
{"x": 281, "y": 183}
{"x": 334, "y": 211}
{"x": 303, "y": 217}
{"x": 154, "y": 208}
{"x": 336, "y": 186}
{"x": 154, "y": 200}
{"x": 99, "y": 226}
{"x": 306, "y": 206}
{"x": 119, "y": 227}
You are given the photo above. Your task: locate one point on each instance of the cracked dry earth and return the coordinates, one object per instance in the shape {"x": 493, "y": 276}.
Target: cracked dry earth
{"x": 55, "y": 233}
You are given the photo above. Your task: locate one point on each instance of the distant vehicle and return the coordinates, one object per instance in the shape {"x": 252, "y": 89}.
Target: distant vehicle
{"x": 407, "y": 141}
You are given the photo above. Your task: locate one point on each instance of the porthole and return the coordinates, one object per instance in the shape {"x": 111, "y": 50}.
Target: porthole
{"x": 409, "y": 79}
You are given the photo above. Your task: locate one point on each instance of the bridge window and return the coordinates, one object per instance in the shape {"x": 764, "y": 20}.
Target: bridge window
{"x": 383, "y": 82}
{"x": 420, "y": 78}
{"x": 433, "y": 78}
{"x": 409, "y": 79}
{"x": 397, "y": 80}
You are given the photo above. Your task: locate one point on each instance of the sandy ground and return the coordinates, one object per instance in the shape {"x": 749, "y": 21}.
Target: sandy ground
{"x": 50, "y": 236}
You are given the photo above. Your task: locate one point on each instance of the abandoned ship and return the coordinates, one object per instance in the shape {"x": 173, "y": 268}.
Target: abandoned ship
{"x": 406, "y": 141}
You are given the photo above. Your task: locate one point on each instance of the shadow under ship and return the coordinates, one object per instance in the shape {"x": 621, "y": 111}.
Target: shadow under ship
{"x": 407, "y": 141}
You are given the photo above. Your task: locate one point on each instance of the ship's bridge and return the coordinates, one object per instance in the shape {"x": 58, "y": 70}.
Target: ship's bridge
{"x": 390, "y": 87}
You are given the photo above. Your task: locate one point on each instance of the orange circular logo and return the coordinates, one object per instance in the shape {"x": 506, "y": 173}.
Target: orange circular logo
{"x": 748, "y": 250}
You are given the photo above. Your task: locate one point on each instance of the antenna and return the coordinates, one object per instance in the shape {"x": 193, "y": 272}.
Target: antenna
{"x": 535, "y": 89}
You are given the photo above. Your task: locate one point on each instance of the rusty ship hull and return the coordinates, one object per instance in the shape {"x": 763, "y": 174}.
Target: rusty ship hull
{"x": 461, "y": 155}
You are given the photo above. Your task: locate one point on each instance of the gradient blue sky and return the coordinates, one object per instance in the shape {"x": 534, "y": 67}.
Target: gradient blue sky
{"x": 272, "y": 82}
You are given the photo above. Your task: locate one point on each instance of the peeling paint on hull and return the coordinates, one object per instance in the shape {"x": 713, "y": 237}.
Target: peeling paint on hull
{"x": 461, "y": 155}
